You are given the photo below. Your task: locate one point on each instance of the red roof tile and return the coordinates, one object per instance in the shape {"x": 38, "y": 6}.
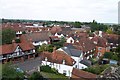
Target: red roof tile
{"x": 58, "y": 57}
{"x": 83, "y": 74}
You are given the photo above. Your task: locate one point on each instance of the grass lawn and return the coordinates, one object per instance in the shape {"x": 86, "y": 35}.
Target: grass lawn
{"x": 52, "y": 76}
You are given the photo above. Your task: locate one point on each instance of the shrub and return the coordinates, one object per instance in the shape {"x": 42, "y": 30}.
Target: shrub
{"x": 48, "y": 69}
{"x": 17, "y": 40}
{"x": 36, "y": 76}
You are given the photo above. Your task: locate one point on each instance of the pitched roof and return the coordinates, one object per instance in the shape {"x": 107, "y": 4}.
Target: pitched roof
{"x": 83, "y": 74}
{"x": 100, "y": 41}
{"x": 58, "y": 57}
{"x": 56, "y": 29}
{"x": 113, "y": 38}
{"x": 38, "y": 36}
{"x": 86, "y": 62}
{"x": 72, "y": 52}
{"x": 10, "y": 48}
{"x": 85, "y": 44}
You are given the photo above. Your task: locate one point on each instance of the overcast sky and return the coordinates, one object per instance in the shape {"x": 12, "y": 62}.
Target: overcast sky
{"x": 105, "y": 11}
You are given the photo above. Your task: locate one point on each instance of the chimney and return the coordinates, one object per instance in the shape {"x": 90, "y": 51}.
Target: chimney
{"x": 63, "y": 61}
{"x": 100, "y": 33}
{"x": 13, "y": 41}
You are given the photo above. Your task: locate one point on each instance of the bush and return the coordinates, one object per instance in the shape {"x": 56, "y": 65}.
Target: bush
{"x": 36, "y": 76}
{"x": 98, "y": 69}
{"x": 17, "y": 40}
{"x": 10, "y": 73}
{"x": 48, "y": 69}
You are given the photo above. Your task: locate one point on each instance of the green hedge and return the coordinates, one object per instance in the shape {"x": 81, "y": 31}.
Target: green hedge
{"x": 48, "y": 69}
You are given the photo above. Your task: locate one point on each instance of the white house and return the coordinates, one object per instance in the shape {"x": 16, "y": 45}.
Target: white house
{"x": 16, "y": 50}
{"x": 38, "y": 38}
{"x": 75, "y": 54}
{"x": 60, "y": 61}
{"x": 70, "y": 40}
{"x": 59, "y": 35}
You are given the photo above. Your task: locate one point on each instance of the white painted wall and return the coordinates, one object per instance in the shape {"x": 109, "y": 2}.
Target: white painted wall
{"x": 77, "y": 59}
{"x": 61, "y": 35}
{"x": 40, "y": 43}
{"x": 60, "y": 68}
{"x": 69, "y": 40}
{"x": 18, "y": 49}
{"x": 19, "y": 32}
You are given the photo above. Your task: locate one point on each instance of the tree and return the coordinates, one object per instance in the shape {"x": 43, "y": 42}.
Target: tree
{"x": 9, "y": 73}
{"x": 109, "y": 31}
{"x": 45, "y": 47}
{"x": 77, "y": 24}
{"x": 60, "y": 43}
{"x": 108, "y": 55}
{"x": 7, "y": 36}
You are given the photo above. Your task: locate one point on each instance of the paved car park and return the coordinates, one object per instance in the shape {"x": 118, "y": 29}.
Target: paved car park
{"x": 30, "y": 65}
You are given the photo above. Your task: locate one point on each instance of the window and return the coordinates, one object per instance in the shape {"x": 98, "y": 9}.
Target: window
{"x": 64, "y": 72}
{"x": 99, "y": 48}
{"x": 75, "y": 66}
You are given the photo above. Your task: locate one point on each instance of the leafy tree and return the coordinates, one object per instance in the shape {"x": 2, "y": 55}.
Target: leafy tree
{"x": 45, "y": 47}
{"x": 111, "y": 55}
{"x": 118, "y": 52}
{"x": 108, "y": 55}
{"x": 9, "y": 73}
{"x": 7, "y": 36}
{"x": 109, "y": 31}
{"x": 98, "y": 69}
{"x": 60, "y": 43}
{"x": 36, "y": 76}
{"x": 23, "y": 32}
{"x": 77, "y": 24}
{"x": 17, "y": 40}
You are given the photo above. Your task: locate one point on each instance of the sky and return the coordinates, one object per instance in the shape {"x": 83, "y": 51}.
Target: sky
{"x": 103, "y": 11}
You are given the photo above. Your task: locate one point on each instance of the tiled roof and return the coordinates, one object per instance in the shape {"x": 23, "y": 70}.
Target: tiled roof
{"x": 24, "y": 45}
{"x": 83, "y": 74}
{"x": 101, "y": 42}
{"x": 58, "y": 57}
{"x": 38, "y": 36}
{"x": 14, "y": 26}
{"x": 113, "y": 38}
{"x": 85, "y": 44}
{"x": 72, "y": 52}
{"x": 86, "y": 62}
{"x": 56, "y": 29}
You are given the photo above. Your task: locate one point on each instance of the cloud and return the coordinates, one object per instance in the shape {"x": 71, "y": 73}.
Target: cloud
{"x": 65, "y": 10}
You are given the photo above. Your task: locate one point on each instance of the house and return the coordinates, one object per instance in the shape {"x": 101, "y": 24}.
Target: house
{"x": 86, "y": 62}
{"x": 54, "y": 39}
{"x": 86, "y": 46}
{"x": 58, "y": 60}
{"x": 82, "y": 75}
{"x": 70, "y": 40}
{"x": 59, "y": 35}
{"x": 113, "y": 40}
{"x": 17, "y": 51}
{"x": 38, "y": 38}
{"x": 102, "y": 45}
{"x": 77, "y": 55}
{"x": 55, "y": 29}
{"x": 17, "y": 27}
